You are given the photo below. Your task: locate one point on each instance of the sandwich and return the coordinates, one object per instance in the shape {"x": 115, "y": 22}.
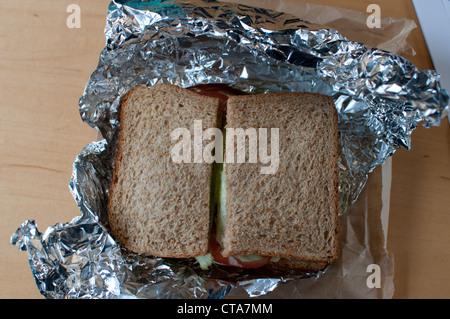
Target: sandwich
{"x": 228, "y": 212}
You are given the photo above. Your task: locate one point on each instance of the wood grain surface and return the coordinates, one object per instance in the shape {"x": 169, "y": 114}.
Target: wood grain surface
{"x": 44, "y": 66}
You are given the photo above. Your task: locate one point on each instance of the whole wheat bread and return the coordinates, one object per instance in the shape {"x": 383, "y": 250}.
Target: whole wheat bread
{"x": 292, "y": 214}
{"x": 156, "y": 206}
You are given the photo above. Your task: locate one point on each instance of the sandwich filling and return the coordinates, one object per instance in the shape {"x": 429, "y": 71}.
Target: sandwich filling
{"x": 219, "y": 189}
{"x": 219, "y": 198}
{"x": 218, "y": 228}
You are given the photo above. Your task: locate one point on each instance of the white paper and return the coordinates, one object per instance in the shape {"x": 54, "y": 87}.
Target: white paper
{"x": 434, "y": 18}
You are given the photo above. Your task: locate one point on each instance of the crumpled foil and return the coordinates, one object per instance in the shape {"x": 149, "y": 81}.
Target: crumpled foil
{"x": 380, "y": 98}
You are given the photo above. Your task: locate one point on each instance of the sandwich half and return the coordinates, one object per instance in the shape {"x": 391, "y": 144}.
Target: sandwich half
{"x": 288, "y": 218}
{"x": 156, "y": 206}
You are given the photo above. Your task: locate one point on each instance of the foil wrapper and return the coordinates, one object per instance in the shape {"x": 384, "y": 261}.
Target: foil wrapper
{"x": 380, "y": 97}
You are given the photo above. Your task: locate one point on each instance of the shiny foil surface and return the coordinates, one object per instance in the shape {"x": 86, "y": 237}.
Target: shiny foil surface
{"x": 380, "y": 97}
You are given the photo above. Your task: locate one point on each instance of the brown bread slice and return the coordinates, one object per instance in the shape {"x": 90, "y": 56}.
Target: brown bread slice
{"x": 306, "y": 266}
{"x": 156, "y": 206}
{"x": 292, "y": 214}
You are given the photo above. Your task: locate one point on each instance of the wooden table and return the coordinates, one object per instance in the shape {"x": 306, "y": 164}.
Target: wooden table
{"x": 44, "y": 67}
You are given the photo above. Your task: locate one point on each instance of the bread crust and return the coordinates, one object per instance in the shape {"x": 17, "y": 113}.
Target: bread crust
{"x": 299, "y": 265}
